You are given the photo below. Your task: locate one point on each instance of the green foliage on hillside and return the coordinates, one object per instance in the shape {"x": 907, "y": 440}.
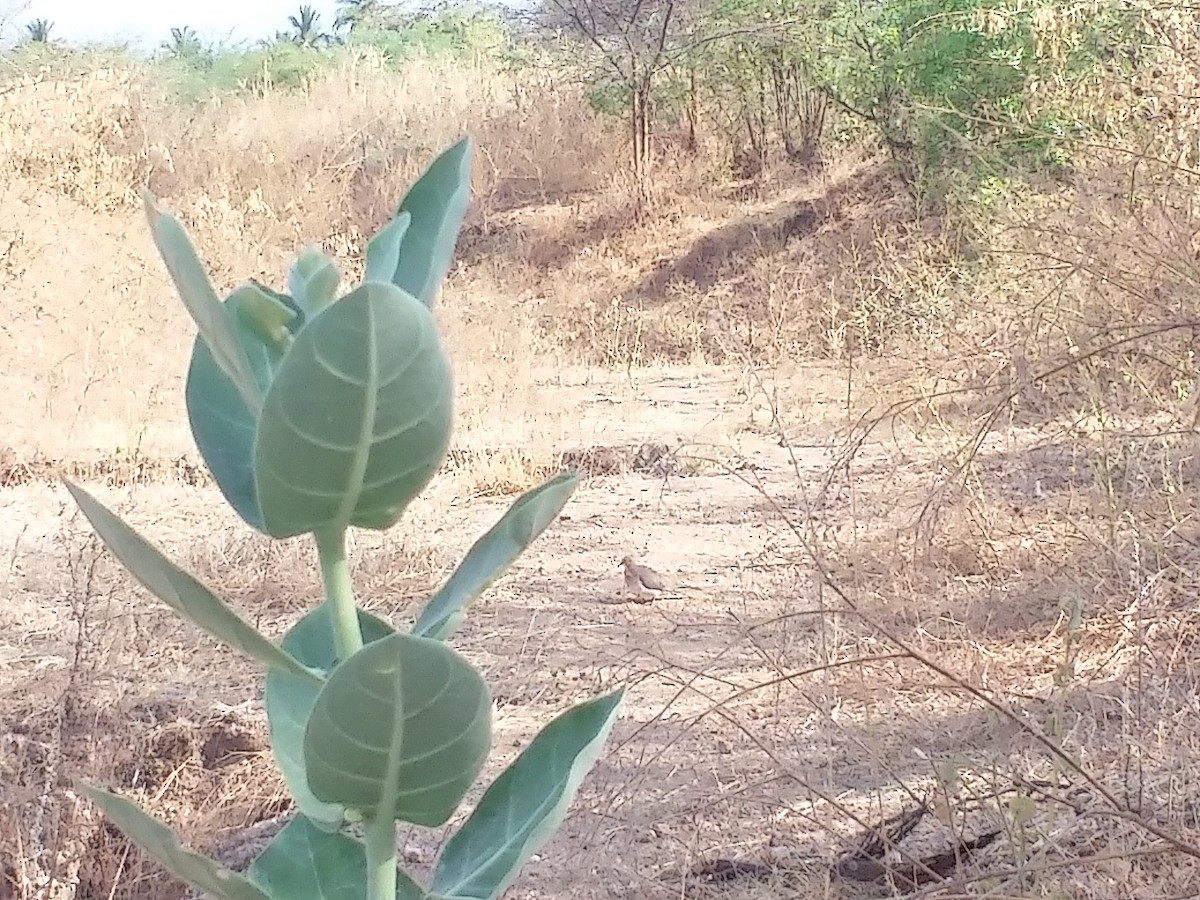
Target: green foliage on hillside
{"x": 960, "y": 92}
{"x": 193, "y": 69}
{"x": 969, "y": 83}
{"x": 972, "y": 88}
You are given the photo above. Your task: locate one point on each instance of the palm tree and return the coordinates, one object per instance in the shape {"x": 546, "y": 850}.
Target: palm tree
{"x": 39, "y": 30}
{"x": 184, "y": 42}
{"x": 306, "y": 31}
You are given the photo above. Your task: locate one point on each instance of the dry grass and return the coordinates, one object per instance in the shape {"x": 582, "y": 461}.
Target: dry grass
{"x": 934, "y": 518}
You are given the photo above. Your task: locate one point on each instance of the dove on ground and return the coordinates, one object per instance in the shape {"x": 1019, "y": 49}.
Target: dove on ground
{"x": 639, "y": 579}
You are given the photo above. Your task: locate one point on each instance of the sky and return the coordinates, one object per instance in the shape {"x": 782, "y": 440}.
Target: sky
{"x": 146, "y": 23}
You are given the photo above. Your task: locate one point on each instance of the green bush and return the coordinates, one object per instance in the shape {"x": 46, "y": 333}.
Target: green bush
{"x": 283, "y": 64}
{"x": 608, "y": 97}
{"x": 446, "y": 33}
{"x": 960, "y": 85}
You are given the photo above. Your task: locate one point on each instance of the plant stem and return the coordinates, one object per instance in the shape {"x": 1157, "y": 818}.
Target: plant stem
{"x": 381, "y": 858}
{"x": 339, "y": 592}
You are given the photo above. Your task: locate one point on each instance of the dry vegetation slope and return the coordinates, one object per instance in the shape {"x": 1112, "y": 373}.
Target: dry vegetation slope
{"x": 1024, "y": 517}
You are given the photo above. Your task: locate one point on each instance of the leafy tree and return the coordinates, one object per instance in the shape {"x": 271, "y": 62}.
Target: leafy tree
{"x": 39, "y": 31}
{"x": 633, "y": 39}
{"x": 448, "y": 31}
{"x": 749, "y": 63}
{"x": 956, "y": 84}
{"x": 354, "y": 14}
{"x": 184, "y": 43}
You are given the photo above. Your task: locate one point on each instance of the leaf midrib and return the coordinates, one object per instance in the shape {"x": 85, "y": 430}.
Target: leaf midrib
{"x": 362, "y": 449}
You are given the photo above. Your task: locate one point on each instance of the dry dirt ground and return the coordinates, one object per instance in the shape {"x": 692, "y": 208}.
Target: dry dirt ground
{"x": 766, "y": 726}
{"x": 1041, "y": 598}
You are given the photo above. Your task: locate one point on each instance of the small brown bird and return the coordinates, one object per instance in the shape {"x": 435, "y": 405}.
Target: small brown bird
{"x": 640, "y": 579}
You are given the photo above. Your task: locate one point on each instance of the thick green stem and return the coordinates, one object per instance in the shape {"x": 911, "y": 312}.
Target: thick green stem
{"x": 339, "y": 592}
{"x": 380, "y": 837}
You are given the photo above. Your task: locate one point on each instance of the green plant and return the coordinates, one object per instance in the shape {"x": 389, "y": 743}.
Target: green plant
{"x": 982, "y": 87}
{"x": 184, "y": 44}
{"x": 432, "y": 36}
{"x": 306, "y": 30}
{"x": 316, "y": 413}
{"x": 39, "y": 31}
{"x": 282, "y": 64}
{"x": 354, "y": 14}
{"x": 749, "y": 65}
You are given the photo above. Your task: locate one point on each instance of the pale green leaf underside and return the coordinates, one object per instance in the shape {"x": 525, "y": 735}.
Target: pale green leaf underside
{"x": 383, "y": 250}
{"x": 522, "y": 807}
{"x": 161, "y": 843}
{"x": 358, "y": 418}
{"x": 289, "y": 701}
{"x": 210, "y": 315}
{"x": 401, "y": 729}
{"x": 306, "y": 863}
{"x": 181, "y": 591}
{"x": 437, "y": 202}
{"x": 527, "y": 518}
{"x": 223, "y": 427}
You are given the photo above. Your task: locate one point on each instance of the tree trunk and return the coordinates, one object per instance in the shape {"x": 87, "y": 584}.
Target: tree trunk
{"x": 639, "y": 122}
{"x": 692, "y": 113}
{"x": 783, "y": 89}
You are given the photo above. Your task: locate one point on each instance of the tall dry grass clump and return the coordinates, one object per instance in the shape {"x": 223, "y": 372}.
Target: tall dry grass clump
{"x": 282, "y": 165}
{"x": 80, "y": 136}
{"x": 253, "y": 174}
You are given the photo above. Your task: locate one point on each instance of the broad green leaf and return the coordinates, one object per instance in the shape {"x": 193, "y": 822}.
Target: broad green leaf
{"x": 528, "y": 517}
{"x": 211, "y": 317}
{"x": 313, "y": 281}
{"x": 223, "y": 427}
{"x": 182, "y": 592}
{"x": 270, "y": 316}
{"x": 437, "y": 202}
{"x": 522, "y": 807}
{"x": 160, "y": 842}
{"x": 401, "y": 729}
{"x": 289, "y": 701}
{"x": 303, "y": 862}
{"x": 358, "y": 418}
{"x": 383, "y": 250}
